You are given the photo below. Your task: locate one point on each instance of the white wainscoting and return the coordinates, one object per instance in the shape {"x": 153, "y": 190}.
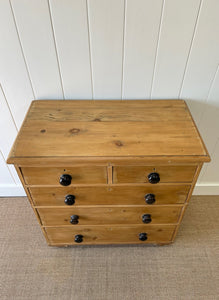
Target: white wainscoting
{"x": 109, "y": 49}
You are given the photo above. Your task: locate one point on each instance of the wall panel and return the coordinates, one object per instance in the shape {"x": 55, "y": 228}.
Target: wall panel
{"x": 71, "y": 35}
{"x": 14, "y": 77}
{"x": 177, "y": 28}
{"x": 140, "y": 43}
{"x": 210, "y": 174}
{"x": 5, "y": 175}
{"x": 106, "y": 23}
{"x": 203, "y": 60}
{"x": 8, "y": 128}
{"x": 101, "y": 49}
{"x": 8, "y": 133}
{"x": 208, "y": 126}
{"x": 36, "y": 35}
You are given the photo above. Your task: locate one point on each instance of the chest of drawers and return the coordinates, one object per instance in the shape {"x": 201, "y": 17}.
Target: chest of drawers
{"x": 108, "y": 172}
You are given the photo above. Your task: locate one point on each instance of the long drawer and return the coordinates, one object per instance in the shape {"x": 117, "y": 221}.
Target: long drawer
{"x": 128, "y": 234}
{"x": 109, "y": 215}
{"x": 113, "y": 195}
{"x": 51, "y": 175}
{"x": 139, "y": 174}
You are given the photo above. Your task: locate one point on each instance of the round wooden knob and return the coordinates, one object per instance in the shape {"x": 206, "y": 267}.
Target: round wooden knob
{"x": 149, "y": 198}
{"x": 74, "y": 219}
{"x": 143, "y": 236}
{"x": 146, "y": 218}
{"x": 65, "y": 179}
{"x": 69, "y": 199}
{"x": 78, "y": 238}
{"x": 154, "y": 177}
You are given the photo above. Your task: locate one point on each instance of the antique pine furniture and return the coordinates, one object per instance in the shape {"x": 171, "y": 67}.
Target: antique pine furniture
{"x": 108, "y": 172}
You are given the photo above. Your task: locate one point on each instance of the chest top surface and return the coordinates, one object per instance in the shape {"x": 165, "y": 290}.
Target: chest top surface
{"x": 85, "y": 128}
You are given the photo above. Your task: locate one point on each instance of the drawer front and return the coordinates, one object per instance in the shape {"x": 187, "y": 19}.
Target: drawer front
{"x": 110, "y": 234}
{"x": 139, "y": 174}
{"x": 109, "y": 215}
{"x": 114, "y": 195}
{"x": 51, "y": 176}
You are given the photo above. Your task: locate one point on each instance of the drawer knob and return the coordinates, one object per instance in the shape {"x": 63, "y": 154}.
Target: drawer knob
{"x": 154, "y": 177}
{"x": 146, "y": 218}
{"x": 149, "y": 198}
{"x": 74, "y": 219}
{"x": 65, "y": 179}
{"x": 78, "y": 238}
{"x": 69, "y": 199}
{"x": 143, "y": 236}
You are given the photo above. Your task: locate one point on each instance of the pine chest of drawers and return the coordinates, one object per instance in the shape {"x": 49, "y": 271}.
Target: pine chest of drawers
{"x": 108, "y": 172}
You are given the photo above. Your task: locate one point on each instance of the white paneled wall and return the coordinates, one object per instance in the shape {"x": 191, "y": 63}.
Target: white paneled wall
{"x": 106, "y": 28}
{"x": 141, "y": 30}
{"x": 109, "y": 49}
{"x": 36, "y": 36}
{"x": 176, "y": 33}
{"x": 70, "y": 25}
{"x": 14, "y": 74}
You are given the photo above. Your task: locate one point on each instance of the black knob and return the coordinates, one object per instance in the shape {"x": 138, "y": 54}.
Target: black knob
{"x": 146, "y": 218}
{"x": 150, "y": 198}
{"x": 74, "y": 219}
{"x": 65, "y": 179}
{"x": 154, "y": 177}
{"x": 78, "y": 238}
{"x": 143, "y": 236}
{"x": 69, "y": 199}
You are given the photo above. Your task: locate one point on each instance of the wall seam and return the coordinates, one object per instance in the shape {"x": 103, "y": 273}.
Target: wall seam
{"x": 123, "y": 48}
{"x": 208, "y": 95}
{"x": 157, "y": 48}
{"x": 190, "y": 48}
{"x": 8, "y": 168}
{"x": 22, "y": 50}
{"x": 8, "y": 106}
{"x": 89, "y": 46}
{"x": 56, "y": 51}
{"x": 207, "y": 166}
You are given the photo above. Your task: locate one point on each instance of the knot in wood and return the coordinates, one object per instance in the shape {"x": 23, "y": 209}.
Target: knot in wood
{"x": 74, "y": 131}
{"x": 118, "y": 143}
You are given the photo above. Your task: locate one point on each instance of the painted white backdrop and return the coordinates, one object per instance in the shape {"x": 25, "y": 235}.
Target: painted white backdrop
{"x": 109, "y": 49}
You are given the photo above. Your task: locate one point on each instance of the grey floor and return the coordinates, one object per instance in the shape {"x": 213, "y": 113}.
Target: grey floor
{"x": 187, "y": 269}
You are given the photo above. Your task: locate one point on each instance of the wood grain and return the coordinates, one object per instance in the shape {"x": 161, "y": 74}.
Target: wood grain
{"x": 138, "y": 174}
{"x": 113, "y": 195}
{"x": 109, "y": 148}
{"x": 97, "y": 111}
{"x": 109, "y": 234}
{"x": 104, "y": 161}
{"x": 109, "y": 215}
{"x": 177, "y": 136}
{"x": 43, "y": 176}
{"x": 188, "y": 198}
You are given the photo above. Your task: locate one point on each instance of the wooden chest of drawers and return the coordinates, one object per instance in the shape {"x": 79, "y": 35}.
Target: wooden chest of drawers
{"x": 108, "y": 172}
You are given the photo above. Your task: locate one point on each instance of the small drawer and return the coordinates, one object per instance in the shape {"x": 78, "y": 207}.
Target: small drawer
{"x": 131, "y": 234}
{"x": 76, "y": 175}
{"x": 114, "y": 195}
{"x": 140, "y": 174}
{"x": 75, "y": 216}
